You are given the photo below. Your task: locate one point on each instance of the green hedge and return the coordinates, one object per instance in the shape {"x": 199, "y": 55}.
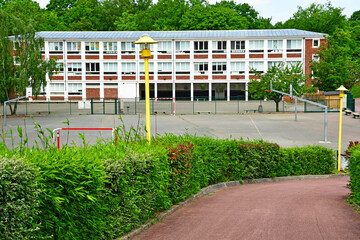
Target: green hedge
{"x": 354, "y": 172}
{"x": 106, "y": 190}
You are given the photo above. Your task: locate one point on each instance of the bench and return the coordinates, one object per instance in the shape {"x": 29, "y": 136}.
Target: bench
{"x": 43, "y": 112}
{"x": 159, "y": 112}
{"x": 200, "y": 112}
{"x": 356, "y": 115}
{"x": 348, "y": 112}
{"x": 251, "y": 110}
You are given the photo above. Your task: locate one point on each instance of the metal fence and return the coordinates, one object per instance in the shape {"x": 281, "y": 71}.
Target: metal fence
{"x": 200, "y": 105}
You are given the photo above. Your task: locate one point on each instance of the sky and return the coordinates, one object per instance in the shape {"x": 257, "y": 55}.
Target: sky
{"x": 280, "y": 10}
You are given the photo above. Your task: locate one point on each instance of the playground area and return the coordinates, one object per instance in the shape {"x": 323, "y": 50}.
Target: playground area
{"x": 280, "y": 128}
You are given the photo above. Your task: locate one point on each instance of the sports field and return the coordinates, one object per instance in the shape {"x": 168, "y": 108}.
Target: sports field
{"x": 275, "y": 127}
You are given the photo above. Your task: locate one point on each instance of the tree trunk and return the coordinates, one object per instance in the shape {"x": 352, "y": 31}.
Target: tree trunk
{"x": 13, "y": 109}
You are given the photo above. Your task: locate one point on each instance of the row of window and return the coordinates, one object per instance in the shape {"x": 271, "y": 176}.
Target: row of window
{"x": 183, "y": 46}
{"x": 166, "y": 67}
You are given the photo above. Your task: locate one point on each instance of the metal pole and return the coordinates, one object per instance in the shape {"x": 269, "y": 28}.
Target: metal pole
{"x": 92, "y": 105}
{"x": 5, "y": 113}
{"x": 340, "y": 129}
{"x": 104, "y": 106}
{"x": 115, "y": 106}
{"x": 70, "y": 106}
{"x": 147, "y": 100}
{"x": 295, "y": 109}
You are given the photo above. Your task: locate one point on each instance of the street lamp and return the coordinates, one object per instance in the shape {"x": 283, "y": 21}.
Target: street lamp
{"x": 145, "y": 42}
{"x": 341, "y": 90}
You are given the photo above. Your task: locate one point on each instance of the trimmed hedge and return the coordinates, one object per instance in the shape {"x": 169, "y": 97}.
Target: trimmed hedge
{"x": 106, "y": 190}
{"x": 354, "y": 172}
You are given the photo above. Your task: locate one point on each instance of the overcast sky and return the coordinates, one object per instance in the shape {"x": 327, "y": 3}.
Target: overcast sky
{"x": 281, "y": 10}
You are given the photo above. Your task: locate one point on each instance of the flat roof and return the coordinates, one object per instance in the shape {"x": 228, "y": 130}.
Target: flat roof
{"x": 204, "y": 34}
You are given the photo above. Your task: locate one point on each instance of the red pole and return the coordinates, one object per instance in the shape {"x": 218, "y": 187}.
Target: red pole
{"x": 58, "y": 139}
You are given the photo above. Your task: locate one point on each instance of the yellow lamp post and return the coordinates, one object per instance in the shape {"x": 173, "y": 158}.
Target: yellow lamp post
{"x": 145, "y": 42}
{"x": 341, "y": 90}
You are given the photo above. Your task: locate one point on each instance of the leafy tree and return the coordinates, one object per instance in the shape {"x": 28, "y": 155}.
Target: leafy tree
{"x": 23, "y": 66}
{"x": 281, "y": 77}
{"x": 323, "y": 18}
{"x": 355, "y": 16}
{"x": 339, "y": 64}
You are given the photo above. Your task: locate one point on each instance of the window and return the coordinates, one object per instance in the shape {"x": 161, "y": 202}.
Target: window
{"x": 75, "y": 89}
{"x": 164, "y": 68}
{"x": 55, "y": 46}
{"x": 59, "y": 68}
{"x": 218, "y": 67}
{"x": 92, "y": 68}
{"x": 164, "y": 47}
{"x": 73, "y": 47}
{"x": 110, "y": 68}
{"x": 110, "y": 47}
{"x": 316, "y": 43}
{"x": 142, "y": 68}
{"x": 256, "y": 67}
{"x": 182, "y": 68}
{"x": 237, "y": 46}
{"x": 74, "y": 68}
{"x": 275, "y": 46}
{"x": 56, "y": 87}
{"x": 315, "y": 58}
{"x": 201, "y": 46}
{"x": 128, "y": 68}
{"x": 237, "y": 68}
{"x": 293, "y": 45}
{"x": 92, "y": 47}
{"x": 256, "y": 46}
{"x": 128, "y": 47}
{"x": 292, "y": 63}
{"x": 274, "y": 63}
{"x": 182, "y": 46}
{"x": 219, "y": 46}
{"x": 201, "y": 67}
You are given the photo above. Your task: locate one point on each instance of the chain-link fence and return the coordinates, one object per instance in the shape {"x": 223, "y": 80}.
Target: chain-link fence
{"x": 200, "y": 105}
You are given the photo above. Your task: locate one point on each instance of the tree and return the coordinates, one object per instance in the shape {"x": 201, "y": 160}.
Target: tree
{"x": 21, "y": 60}
{"x": 281, "y": 77}
{"x": 339, "y": 62}
{"x": 323, "y": 18}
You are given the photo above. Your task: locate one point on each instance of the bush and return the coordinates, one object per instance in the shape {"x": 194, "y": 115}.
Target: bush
{"x": 354, "y": 172}
{"x": 19, "y": 200}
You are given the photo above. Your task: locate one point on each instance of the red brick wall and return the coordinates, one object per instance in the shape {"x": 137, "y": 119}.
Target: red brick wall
{"x": 275, "y": 55}
{"x": 57, "y": 78}
{"x": 92, "y": 77}
{"x": 167, "y": 77}
{"x": 219, "y": 77}
{"x": 309, "y": 51}
{"x": 75, "y": 98}
{"x": 200, "y": 77}
{"x": 110, "y": 92}
{"x": 143, "y": 77}
{"x": 41, "y": 98}
{"x": 92, "y": 93}
{"x": 256, "y": 56}
{"x": 219, "y": 56}
{"x": 293, "y": 55}
{"x": 128, "y": 77}
{"x": 73, "y": 56}
{"x": 238, "y": 76}
{"x": 92, "y": 57}
{"x": 58, "y": 56}
{"x": 164, "y": 56}
{"x": 112, "y": 77}
{"x": 182, "y": 56}
{"x": 128, "y": 57}
{"x": 253, "y": 77}
{"x": 237, "y": 55}
{"x": 182, "y": 77}
{"x": 55, "y": 98}
{"x": 110, "y": 56}
{"x": 202, "y": 56}
{"x": 74, "y": 77}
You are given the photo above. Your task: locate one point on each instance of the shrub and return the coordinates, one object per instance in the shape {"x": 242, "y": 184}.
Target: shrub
{"x": 19, "y": 200}
{"x": 354, "y": 172}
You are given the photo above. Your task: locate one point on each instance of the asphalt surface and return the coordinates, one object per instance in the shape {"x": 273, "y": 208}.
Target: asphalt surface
{"x": 306, "y": 209}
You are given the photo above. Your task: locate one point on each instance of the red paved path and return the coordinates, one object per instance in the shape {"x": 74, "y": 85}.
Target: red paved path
{"x": 306, "y": 209}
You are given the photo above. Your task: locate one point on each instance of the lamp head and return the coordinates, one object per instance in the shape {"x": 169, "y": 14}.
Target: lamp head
{"x": 146, "y": 40}
{"x": 341, "y": 89}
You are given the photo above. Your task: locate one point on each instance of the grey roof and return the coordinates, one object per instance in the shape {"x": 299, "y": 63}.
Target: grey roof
{"x": 206, "y": 34}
